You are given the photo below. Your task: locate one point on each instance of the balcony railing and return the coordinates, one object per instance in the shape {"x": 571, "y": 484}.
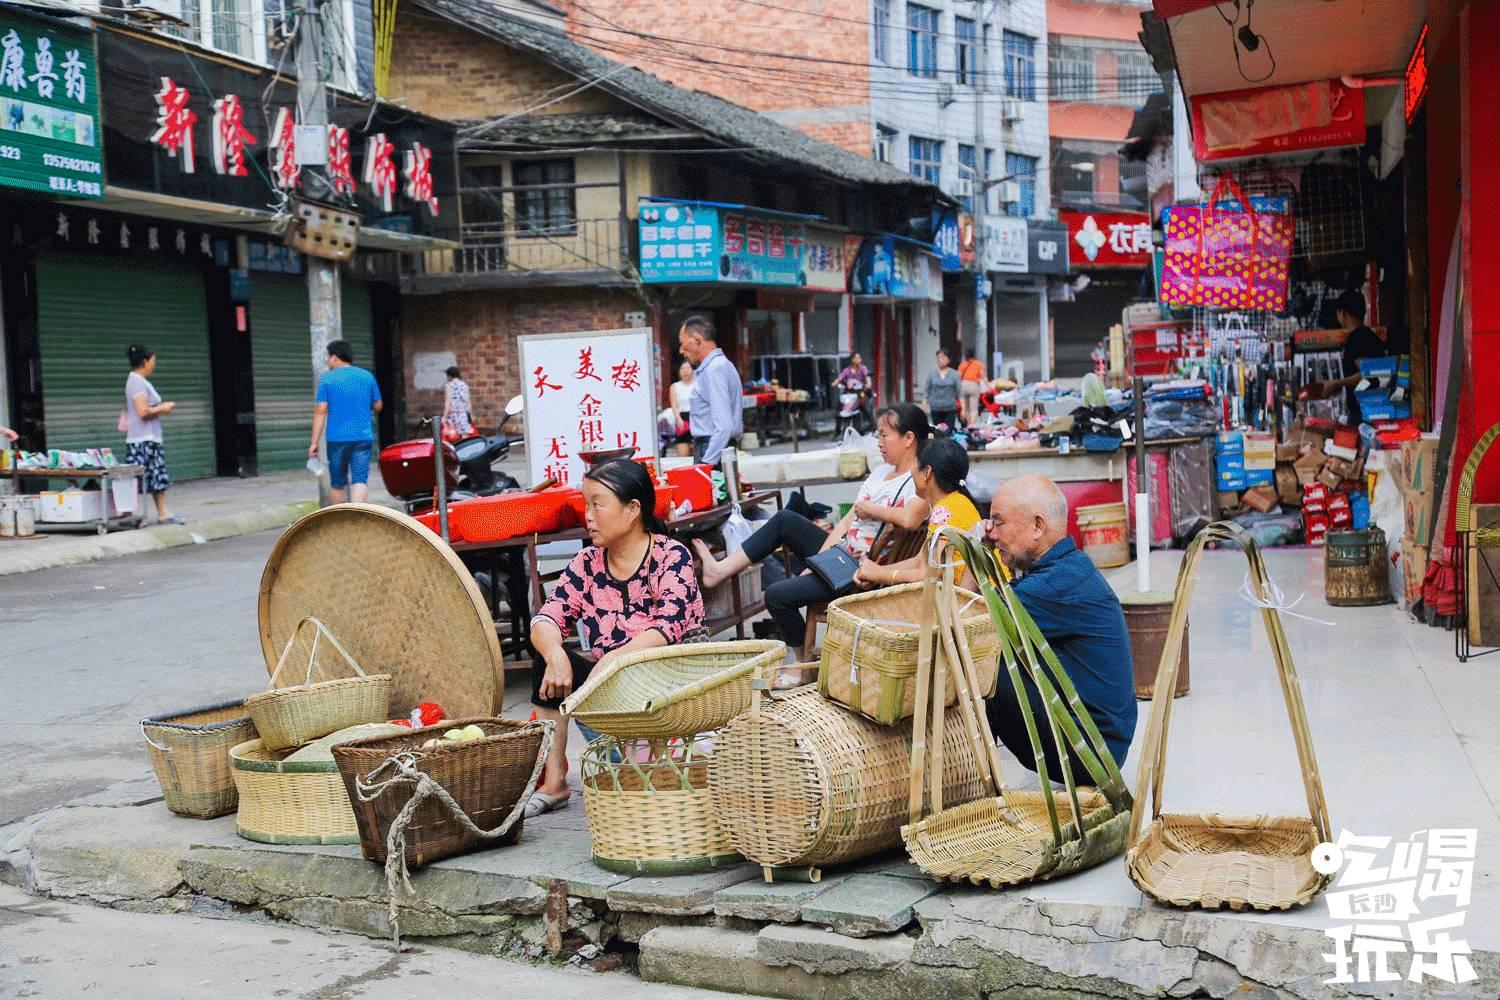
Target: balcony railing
{"x": 513, "y": 253}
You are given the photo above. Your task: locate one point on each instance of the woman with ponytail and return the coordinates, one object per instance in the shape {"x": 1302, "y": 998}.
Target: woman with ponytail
{"x": 942, "y": 465}
{"x": 633, "y": 588}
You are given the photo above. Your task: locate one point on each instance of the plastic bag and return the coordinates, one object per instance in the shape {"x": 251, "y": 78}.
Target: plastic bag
{"x": 853, "y": 440}
{"x": 736, "y": 530}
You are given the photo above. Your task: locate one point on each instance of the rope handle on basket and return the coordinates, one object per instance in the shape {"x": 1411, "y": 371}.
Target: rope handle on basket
{"x": 1154, "y": 747}
{"x": 312, "y": 655}
{"x": 405, "y": 773}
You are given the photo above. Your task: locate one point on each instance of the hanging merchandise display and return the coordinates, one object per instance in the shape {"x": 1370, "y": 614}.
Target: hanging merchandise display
{"x": 1208, "y": 859}
{"x": 1226, "y": 259}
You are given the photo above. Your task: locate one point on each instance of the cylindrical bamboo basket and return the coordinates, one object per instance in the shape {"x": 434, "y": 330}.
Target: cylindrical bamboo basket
{"x": 190, "y": 754}
{"x": 649, "y": 808}
{"x": 808, "y": 782}
{"x": 302, "y": 802}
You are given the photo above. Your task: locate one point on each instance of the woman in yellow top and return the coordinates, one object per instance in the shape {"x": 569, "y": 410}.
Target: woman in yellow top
{"x": 938, "y": 477}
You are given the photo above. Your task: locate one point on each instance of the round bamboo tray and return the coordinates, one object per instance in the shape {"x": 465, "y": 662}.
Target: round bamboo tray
{"x": 808, "y": 782}
{"x": 673, "y": 690}
{"x": 1238, "y": 862}
{"x": 302, "y": 802}
{"x": 652, "y": 816}
{"x": 190, "y": 755}
{"x": 397, "y": 597}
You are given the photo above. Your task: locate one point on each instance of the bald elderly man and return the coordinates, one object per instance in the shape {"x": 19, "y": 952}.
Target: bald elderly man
{"x": 1074, "y": 608}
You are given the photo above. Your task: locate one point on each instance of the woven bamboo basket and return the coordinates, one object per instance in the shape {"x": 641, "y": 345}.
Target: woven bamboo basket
{"x": 673, "y": 690}
{"x": 649, "y": 808}
{"x": 486, "y": 779}
{"x": 290, "y": 716}
{"x": 190, "y": 755}
{"x": 801, "y": 781}
{"x": 1211, "y": 860}
{"x": 1007, "y": 837}
{"x": 300, "y": 802}
{"x": 870, "y": 651}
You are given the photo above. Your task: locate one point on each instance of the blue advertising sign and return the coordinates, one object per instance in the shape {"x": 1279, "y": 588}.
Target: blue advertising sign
{"x": 946, "y": 238}
{"x": 686, "y": 242}
{"x": 900, "y": 268}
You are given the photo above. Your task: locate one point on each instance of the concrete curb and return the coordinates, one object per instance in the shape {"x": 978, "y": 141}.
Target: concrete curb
{"x": 26, "y": 557}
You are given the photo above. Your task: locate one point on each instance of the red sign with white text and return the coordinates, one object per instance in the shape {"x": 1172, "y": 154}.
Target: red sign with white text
{"x": 1107, "y": 239}
{"x": 1231, "y": 125}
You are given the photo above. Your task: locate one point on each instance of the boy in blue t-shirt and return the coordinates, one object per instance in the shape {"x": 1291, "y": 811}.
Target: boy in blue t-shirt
{"x": 347, "y": 396}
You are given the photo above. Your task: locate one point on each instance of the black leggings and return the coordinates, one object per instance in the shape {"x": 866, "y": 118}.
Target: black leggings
{"x": 785, "y": 599}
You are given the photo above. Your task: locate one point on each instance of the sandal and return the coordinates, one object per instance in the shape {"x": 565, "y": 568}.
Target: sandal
{"x": 174, "y": 519}
{"x": 541, "y": 802}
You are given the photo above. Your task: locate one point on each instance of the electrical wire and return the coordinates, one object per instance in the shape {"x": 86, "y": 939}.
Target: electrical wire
{"x": 1235, "y": 39}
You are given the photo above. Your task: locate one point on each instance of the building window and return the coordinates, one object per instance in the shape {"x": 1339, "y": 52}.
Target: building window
{"x": 1022, "y": 170}
{"x": 1020, "y": 65}
{"x": 1138, "y": 78}
{"x": 926, "y": 160}
{"x": 880, "y": 25}
{"x": 549, "y": 208}
{"x": 482, "y": 189}
{"x": 921, "y": 41}
{"x": 885, "y": 143}
{"x": 966, "y": 52}
{"x": 1070, "y": 72}
{"x": 967, "y": 171}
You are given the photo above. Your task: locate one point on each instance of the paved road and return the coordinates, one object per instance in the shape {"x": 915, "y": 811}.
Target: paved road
{"x": 90, "y": 650}
{"x": 55, "y": 950}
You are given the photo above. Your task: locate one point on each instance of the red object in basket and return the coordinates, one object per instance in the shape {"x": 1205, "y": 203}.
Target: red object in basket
{"x": 510, "y": 515}
{"x": 694, "y": 484}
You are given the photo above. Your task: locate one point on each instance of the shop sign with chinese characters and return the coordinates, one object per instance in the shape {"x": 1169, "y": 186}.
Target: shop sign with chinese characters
{"x": 50, "y": 139}
{"x": 1108, "y": 239}
{"x": 182, "y": 124}
{"x": 687, "y": 242}
{"x": 830, "y": 259}
{"x": 1005, "y": 244}
{"x": 589, "y": 391}
{"x": 1322, "y": 114}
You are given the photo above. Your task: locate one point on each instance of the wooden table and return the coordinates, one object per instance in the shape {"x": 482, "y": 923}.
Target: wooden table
{"x": 104, "y": 523}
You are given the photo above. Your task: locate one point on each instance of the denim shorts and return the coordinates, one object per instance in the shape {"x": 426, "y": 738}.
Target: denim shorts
{"x": 348, "y": 462}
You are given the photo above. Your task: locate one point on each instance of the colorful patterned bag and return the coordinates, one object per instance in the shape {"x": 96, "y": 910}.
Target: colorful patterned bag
{"x": 1226, "y": 259}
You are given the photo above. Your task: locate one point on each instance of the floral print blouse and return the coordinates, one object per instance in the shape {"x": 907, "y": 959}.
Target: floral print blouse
{"x": 662, "y": 594}
{"x": 458, "y": 419}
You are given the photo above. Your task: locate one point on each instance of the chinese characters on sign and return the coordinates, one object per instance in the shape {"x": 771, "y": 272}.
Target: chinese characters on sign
{"x": 686, "y": 242}
{"x": 1392, "y": 902}
{"x": 1322, "y": 114}
{"x": 586, "y": 392}
{"x": 1108, "y": 239}
{"x": 49, "y": 109}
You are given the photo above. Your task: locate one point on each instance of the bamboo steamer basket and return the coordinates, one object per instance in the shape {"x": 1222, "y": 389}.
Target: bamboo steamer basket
{"x": 802, "y": 781}
{"x": 397, "y": 597}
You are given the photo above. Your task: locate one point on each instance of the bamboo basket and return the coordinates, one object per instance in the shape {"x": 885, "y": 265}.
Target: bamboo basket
{"x": 649, "y": 808}
{"x": 672, "y": 691}
{"x": 291, "y": 716}
{"x": 190, "y": 755}
{"x": 486, "y": 778}
{"x": 1007, "y": 837}
{"x": 799, "y": 781}
{"x": 301, "y": 802}
{"x": 870, "y": 651}
{"x": 1212, "y": 860}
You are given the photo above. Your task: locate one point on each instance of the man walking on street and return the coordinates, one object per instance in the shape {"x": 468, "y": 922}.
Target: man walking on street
{"x": 347, "y": 397}
{"x": 715, "y": 414}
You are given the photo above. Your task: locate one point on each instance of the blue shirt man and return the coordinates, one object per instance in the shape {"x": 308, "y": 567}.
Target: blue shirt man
{"x": 1075, "y": 609}
{"x": 716, "y": 413}
{"x": 347, "y": 397}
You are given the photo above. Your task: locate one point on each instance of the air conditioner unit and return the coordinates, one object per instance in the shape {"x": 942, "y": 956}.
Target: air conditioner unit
{"x": 1010, "y": 192}
{"x": 1010, "y": 110}
{"x": 945, "y": 94}
{"x": 964, "y": 188}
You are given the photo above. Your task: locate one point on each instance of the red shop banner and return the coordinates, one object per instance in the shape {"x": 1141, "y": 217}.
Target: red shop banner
{"x": 1323, "y": 114}
{"x": 1107, "y": 239}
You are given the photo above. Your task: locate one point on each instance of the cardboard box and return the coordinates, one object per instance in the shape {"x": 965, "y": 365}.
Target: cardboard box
{"x": 1288, "y": 451}
{"x": 1260, "y": 451}
{"x": 1288, "y": 490}
{"x": 1261, "y": 477}
{"x": 1330, "y": 478}
{"x": 1414, "y": 475}
{"x": 1261, "y": 498}
{"x": 1314, "y": 498}
{"x": 1315, "y": 528}
{"x": 1344, "y": 468}
{"x": 1334, "y": 450}
{"x": 1413, "y": 571}
{"x": 1228, "y": 500}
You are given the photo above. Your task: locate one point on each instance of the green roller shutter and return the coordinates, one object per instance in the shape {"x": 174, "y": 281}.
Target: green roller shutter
{"x": 281, "y": 360}
{"x": 89, "y": 310}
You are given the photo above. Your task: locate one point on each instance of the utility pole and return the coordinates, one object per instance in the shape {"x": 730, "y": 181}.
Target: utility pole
{"x": 323, "y": 293}
{"x": 980, "y": 72}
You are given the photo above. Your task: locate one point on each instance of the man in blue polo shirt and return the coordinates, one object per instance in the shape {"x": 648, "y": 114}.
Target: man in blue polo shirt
{"x": 1075, "y": 609}
{"x": 347, "y": 397}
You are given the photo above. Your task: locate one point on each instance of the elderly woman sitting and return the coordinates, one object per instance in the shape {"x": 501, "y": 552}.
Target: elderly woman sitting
{"x": 632, "y": 589}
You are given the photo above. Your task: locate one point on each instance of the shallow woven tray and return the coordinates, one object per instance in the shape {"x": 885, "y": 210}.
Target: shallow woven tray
{"x": 1238, "y": 862}
{"x": 190, "y": 755}
{"x": 652, "y": 817}
{"x": 302, "y": 802}
{"x": 396, "y": 596}
{"x": 673, "y": 690}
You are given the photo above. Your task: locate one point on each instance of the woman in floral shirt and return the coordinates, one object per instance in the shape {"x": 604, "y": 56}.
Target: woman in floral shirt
{"x": 632, "y": 589}
{"x": 458, "y": 419}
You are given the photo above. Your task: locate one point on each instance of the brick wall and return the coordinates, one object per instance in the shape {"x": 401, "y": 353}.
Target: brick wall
{"x": 855, "y": 136}
{"x": 481, "y": 327}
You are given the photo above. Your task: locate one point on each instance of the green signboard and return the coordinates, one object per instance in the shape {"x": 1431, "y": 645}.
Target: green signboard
{"x": 49, "y": 108}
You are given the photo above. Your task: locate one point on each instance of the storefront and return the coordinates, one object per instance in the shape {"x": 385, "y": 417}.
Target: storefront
{"x": 178, "y": 248}
{"x": 1109, "y": 254}
{"x": 1021, "y": 257}
{"x": 897, "y": 289}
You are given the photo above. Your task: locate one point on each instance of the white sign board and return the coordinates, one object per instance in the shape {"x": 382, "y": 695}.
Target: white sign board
{"x": 1005, "y": 244}
{"x": 589, "y": 391}
{"x": 429, "y": 369}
